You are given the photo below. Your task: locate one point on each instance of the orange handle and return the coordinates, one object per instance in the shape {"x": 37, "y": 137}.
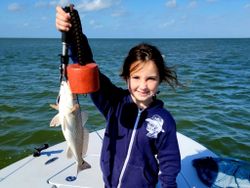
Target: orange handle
{"x": 83, "y": 79}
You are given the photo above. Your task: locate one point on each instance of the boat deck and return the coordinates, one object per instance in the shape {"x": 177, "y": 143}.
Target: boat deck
{"x": 53, "y": 168}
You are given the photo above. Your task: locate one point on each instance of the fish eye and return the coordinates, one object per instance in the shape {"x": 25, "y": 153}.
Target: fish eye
{"x": 58, "y": 100}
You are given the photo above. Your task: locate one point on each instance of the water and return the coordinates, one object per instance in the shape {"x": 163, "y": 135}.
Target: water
{"x": 213, "y": 108}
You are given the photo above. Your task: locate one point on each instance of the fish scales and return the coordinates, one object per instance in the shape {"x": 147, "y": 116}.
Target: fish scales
{"x": 72, "y": 121}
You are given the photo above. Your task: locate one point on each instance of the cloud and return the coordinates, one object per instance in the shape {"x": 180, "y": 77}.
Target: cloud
{"x": 95, "y": 25}
{"x": 171, "y": 3}
{"x": 192, "y": 4}
{"x": 43, "y": 4}
{"x": 63, "y": 2}
{"x": 247, "y": 6}
{"x": 44, "y": 18}
{"x": 118, "y": 13}
{"x": 211, "y": 1}
{"x": 94, "y": 5}
{"x": 14, "y": 7}
{"x": 168, "y": 23}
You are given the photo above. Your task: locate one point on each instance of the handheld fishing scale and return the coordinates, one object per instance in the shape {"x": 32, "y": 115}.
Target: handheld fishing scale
{"x": 83, "y": 76}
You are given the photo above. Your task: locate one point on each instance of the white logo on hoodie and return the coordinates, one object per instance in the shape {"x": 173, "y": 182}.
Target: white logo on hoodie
{"x": 154, "y": 126}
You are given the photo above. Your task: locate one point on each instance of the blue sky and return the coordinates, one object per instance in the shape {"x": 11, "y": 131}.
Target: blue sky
{"x": 131, "y": 18}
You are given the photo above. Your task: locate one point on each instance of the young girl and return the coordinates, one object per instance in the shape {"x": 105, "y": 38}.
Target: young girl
{"x": 140, "y": 145}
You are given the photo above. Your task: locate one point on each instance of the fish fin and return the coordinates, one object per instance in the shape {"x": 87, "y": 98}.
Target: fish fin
{"x": 85, "y": 141}
{"x": 83, "y": 166}
{"x": 55, "y": 106}
{"x": 55, "y": 122}
{"x": 64, "y": 123}
{"x": 84, "y": 116}
{"x": 75, "y": 108}
{"x": 69, "y": 153}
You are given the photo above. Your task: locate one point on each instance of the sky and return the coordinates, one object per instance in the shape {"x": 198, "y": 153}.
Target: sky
{"x": 130, "y": 18}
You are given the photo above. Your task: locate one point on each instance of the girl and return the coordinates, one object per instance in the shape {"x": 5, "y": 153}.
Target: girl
{"x": 140, "y": 145}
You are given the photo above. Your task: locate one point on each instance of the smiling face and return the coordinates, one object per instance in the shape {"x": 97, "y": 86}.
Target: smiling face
{"x": 143, "y": 82}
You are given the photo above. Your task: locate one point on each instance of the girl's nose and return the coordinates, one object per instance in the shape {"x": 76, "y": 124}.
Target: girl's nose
{"x": 143, "y": 84}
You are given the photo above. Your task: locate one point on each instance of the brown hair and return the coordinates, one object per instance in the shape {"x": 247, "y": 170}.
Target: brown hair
{"x": 145, "y": 52}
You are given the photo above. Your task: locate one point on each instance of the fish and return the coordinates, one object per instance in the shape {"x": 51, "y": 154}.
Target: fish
{"x": 72, "y": 121}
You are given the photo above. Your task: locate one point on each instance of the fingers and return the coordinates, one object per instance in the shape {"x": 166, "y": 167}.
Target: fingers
{"x": 62, "y": 19}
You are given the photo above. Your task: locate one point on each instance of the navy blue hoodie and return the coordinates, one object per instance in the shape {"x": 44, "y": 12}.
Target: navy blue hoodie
{"x": 140, "y": 146}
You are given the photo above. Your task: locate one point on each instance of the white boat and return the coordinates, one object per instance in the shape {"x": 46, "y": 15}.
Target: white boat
{"x": 53, "y": 170}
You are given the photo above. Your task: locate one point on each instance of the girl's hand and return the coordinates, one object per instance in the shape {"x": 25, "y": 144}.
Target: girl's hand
{"x": 62, "y": 19}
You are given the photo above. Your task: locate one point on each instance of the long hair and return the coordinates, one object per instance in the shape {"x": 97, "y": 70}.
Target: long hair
{"x": 146, "y": 52}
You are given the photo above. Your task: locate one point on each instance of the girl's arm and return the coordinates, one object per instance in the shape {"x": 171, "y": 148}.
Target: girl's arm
{"x": 107, "y": 96}
{"x": 169, "y": 156}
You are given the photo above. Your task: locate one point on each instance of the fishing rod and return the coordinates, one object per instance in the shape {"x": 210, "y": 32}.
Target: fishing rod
{"x": 64, "y": 58}
{"x": 65, "y": 39}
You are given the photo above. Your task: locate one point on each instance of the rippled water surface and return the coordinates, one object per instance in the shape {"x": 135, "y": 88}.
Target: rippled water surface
{"x": 213, "y": 108}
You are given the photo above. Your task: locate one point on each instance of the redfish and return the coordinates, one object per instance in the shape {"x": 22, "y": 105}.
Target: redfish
{"x": 72, "y": 121}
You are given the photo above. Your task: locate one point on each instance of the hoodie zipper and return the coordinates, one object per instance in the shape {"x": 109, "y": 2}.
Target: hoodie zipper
{"x": 129, "y": 147}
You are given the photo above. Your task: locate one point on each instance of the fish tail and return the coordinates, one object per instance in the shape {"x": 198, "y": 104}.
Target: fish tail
{"x": 84, "y": 165}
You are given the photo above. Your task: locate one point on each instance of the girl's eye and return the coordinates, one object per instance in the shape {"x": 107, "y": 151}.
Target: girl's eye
{"x": 135, "y": 77}
{"x": 151, "y": 78}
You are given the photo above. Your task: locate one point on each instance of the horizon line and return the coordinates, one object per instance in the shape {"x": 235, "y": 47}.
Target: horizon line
{"x": 130, "y": 37}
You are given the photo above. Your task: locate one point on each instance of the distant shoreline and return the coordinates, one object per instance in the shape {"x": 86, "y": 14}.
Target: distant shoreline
{"x": 172, "y": 38}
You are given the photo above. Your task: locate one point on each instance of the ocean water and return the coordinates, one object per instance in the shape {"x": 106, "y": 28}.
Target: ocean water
{"x": 213, "y": 108}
